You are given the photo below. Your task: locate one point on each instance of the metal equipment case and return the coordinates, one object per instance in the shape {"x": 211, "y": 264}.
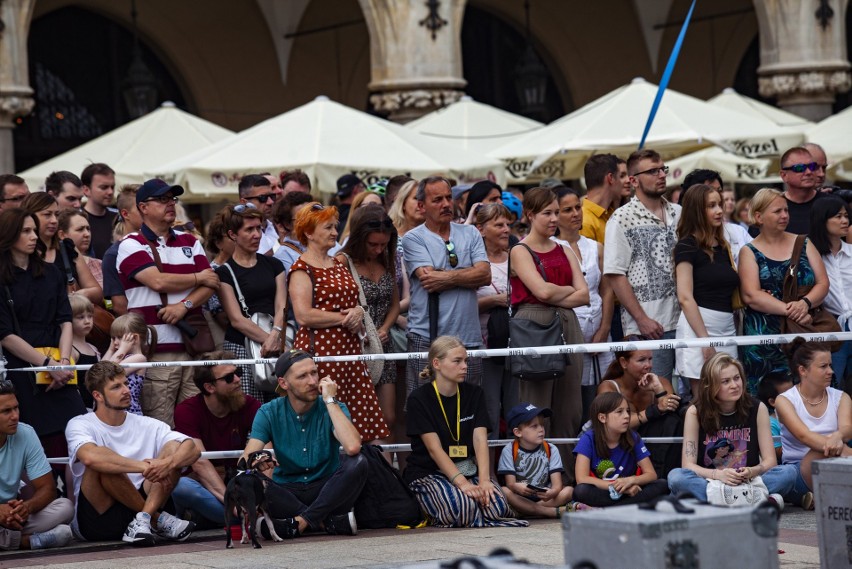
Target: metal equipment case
{"x": 833, "y": 493}
{"x": 624, "y": 537}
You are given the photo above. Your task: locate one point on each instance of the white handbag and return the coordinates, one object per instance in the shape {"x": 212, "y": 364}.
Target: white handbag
{"x": 370, "y": 343}
{"x": 747, "y": 494}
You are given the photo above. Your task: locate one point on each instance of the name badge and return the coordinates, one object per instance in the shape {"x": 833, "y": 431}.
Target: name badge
{"x": 458, "y": 451}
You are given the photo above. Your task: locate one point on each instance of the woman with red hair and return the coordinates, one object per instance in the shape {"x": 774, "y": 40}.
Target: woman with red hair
{"x": 325, "y": 302}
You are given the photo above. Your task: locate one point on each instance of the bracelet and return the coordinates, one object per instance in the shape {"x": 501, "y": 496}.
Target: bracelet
{"x": 807, "y": 301}
{"x": 660, "y": 394}
{"x": 46, "y": 361}
{"x": 453, "y": 479}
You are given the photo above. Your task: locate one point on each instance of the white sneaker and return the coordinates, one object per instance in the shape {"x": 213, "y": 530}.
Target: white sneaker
{"x": 60, "y": 536}
{"x": 172, "y": 528}
{"x": 778, "y": 499}
{"x": 138, "y": 531}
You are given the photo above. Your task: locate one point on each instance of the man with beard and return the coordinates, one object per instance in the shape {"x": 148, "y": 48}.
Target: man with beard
{"x": 446, "y": 263}
{"x": 125, "y": 466}
{"x": 315, "y": 484}
{"x": 218, "y": 419}
{"x": 640, "y": 237}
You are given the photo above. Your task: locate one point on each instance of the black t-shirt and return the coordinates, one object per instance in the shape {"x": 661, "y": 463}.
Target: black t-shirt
{"x": 101, "y": 231}
{"x": 424, "y": 416}
{"x": 258, "y": 286}
{"x": 735, "y": 445}
{"x": 714, "y": 282}
{"x": 800, "y": 216}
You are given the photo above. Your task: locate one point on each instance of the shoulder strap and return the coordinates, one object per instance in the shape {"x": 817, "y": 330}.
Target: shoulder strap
{"x": 790, "y": 287}
{"x": 537, "y": 260}
{"x": 238, "y": 290}
{"x": 156, "y": 255}
{"x": 11, "y": 302}
{"x": 361, "y": 297}
{"x": 292, "y": 246}
{"x": 66, "y": 262}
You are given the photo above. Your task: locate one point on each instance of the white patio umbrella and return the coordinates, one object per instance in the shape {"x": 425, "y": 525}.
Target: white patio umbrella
{"x": 614, "y": 123}
{"x": 473, "y": 126}
{"x": 326, "y": 140}
{"x": 735, "y": 167}
{"x": 135, "y": 148}
{"x": 833, "y": 134}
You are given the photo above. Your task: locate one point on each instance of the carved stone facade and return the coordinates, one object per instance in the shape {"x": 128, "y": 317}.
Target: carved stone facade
{"x": 803, "y": 65}
{"x": 15, "y": 91}
{"x": 415, "y": 55}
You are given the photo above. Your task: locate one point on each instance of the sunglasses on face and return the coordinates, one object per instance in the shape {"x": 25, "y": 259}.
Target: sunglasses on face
{"x": 163, "y": 199}
{"x": 451, "y": 254}
{"x": 17, "y": 199}
{"x": 263, "y": 198}
{"x": 800, "y": 168}
{"x": 654, "y": 171}
{"x": 244, "y": 207}
{"x": 228, "y": 377}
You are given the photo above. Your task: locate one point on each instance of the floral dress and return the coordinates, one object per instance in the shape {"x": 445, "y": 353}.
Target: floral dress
{"x": 761, "y": 360}
{"x": 334, "y": 289}
{"x": 378, "y": 296}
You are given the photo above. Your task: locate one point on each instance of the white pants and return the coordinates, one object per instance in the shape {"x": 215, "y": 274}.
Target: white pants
{"x": 688, "y": 361}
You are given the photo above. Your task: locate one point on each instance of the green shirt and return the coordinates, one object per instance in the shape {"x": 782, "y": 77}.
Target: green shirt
{"x": 305, "y": 447}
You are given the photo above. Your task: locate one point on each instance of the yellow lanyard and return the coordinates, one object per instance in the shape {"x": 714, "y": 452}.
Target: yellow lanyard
{"x": 458, "y": 413}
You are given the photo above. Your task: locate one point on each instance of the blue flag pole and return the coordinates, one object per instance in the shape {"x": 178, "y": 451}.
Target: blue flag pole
{"x": 667, "y": 74}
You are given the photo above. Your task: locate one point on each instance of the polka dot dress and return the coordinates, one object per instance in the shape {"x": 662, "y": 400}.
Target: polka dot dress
{"x": 335, "y": 290}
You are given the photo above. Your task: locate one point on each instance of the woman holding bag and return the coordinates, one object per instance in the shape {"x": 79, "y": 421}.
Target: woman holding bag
{"x": 372, "y": 250}
{"x": 763, "y": 265}
{"x": 541, "y": 300}
{"x": 706, "y": 280}
{"x": 325, "y": 302}
{"x": 250, "y": 283}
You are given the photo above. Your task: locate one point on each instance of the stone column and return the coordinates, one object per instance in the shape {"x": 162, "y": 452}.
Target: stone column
{"x": 803, "y": 61}
{"x": 15, "y": 92}
{"x": 415, "y": 55}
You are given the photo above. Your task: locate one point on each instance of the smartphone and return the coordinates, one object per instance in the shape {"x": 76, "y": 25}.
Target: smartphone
{"x": 535, "y": 488}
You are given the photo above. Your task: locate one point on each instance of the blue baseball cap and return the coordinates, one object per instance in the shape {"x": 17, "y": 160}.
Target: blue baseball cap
{"x": 524, "y": 412}
{"x": 155, "y": 188}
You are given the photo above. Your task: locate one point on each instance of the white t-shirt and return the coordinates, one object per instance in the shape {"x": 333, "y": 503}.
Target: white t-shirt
{"x": 499, "y": 284}
{"x": 137, "y": 438}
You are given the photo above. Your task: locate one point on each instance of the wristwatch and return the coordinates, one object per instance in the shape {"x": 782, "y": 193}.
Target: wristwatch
{"x": 330, "y": 400}
{"x": 187, "y": 303}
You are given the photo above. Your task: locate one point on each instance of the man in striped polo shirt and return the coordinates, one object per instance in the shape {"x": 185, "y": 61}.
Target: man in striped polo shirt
{"x": 187, "y": 281}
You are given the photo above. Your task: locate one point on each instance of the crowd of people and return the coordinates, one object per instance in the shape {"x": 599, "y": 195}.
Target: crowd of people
{"x": 425, "y": 266}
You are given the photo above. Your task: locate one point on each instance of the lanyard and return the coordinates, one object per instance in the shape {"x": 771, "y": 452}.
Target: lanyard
{"x": 443, "y": 412}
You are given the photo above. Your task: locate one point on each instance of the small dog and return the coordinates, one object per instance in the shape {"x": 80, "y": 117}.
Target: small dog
{"x": 246, "y": 495}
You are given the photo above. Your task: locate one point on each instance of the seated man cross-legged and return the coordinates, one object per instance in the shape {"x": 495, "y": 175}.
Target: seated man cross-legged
{"x": 219, "y": 418}
{"x": 125, "y": 466}
{"x": 314, "y": 487}
{"x": 41, "y": 520}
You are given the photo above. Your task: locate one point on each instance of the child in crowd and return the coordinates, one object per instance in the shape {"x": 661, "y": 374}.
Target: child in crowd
{"x": 532, "y": 467}
{"x": 129, "y": 342}
{"x": 772, "y": 385}
{"x": 613, "y": 466}
{"x": 84, "y": 353}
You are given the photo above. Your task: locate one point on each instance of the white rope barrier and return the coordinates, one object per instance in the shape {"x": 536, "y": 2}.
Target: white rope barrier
{"x": 527, "y": 352}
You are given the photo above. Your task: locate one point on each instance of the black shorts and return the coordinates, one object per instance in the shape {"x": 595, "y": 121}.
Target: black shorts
{"x": 108, "y": 526}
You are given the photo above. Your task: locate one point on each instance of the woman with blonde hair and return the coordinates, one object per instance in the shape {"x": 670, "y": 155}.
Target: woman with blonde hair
{"x": 405, "y": 211}
{"x": 763, "y": 265}
{"x": 727, "y": 436}
{"x": 449, "y": 466}
{"x": 325, "y": 302}
{"x": 362, "y": 199}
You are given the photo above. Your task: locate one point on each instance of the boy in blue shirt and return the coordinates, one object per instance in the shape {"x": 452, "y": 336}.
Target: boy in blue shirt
{"x": 770, "y": 387}
{"x": 532, "y": 467}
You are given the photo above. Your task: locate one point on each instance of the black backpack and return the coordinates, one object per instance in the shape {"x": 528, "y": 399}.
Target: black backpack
{"x": 385, "y": 501}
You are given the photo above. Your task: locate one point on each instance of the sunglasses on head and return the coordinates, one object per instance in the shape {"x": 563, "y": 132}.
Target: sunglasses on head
{"x": 263, "y": 198}
{"x": 317, "y": 207}
{"x": 228, "y": 377}
{"x": 376, "y": 224}
{"x": 244, "y": 207}
{"x": 800, "y": 168}
{"x": 451, "y": 254}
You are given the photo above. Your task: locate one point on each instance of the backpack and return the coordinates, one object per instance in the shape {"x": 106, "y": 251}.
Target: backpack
{"x": 516, "y": 445}
{"x": 385, "y": 501}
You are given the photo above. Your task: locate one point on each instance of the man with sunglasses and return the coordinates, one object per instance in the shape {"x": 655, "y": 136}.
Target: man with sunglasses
{"x": 186, "y": 280}
{"x": 446, "y": 263}
{"x": 13, "y": 190}
{"x": 799, "y": 172}
{"x": 256, "y": 190}
{"x": 639, "y": 240}
{"x": 218, "y": 419}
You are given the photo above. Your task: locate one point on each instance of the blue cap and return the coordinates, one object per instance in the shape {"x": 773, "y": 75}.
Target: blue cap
{"x": 524, "y": 412}
{"x": 155, "y": 188}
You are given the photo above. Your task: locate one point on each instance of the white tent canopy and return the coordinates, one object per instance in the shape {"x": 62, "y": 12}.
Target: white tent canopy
{"x": 833, "y": 134}
{"x": 137, "y": 147}
{"x": 473, "y": 126}
{"x": 614, "y": 123}
{"x": 326, "y": 140}
{"x": 735, "y": 167}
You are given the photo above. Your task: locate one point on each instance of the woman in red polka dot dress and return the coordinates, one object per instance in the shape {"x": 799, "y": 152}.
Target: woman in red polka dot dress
{"x": 325, "y": 302}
